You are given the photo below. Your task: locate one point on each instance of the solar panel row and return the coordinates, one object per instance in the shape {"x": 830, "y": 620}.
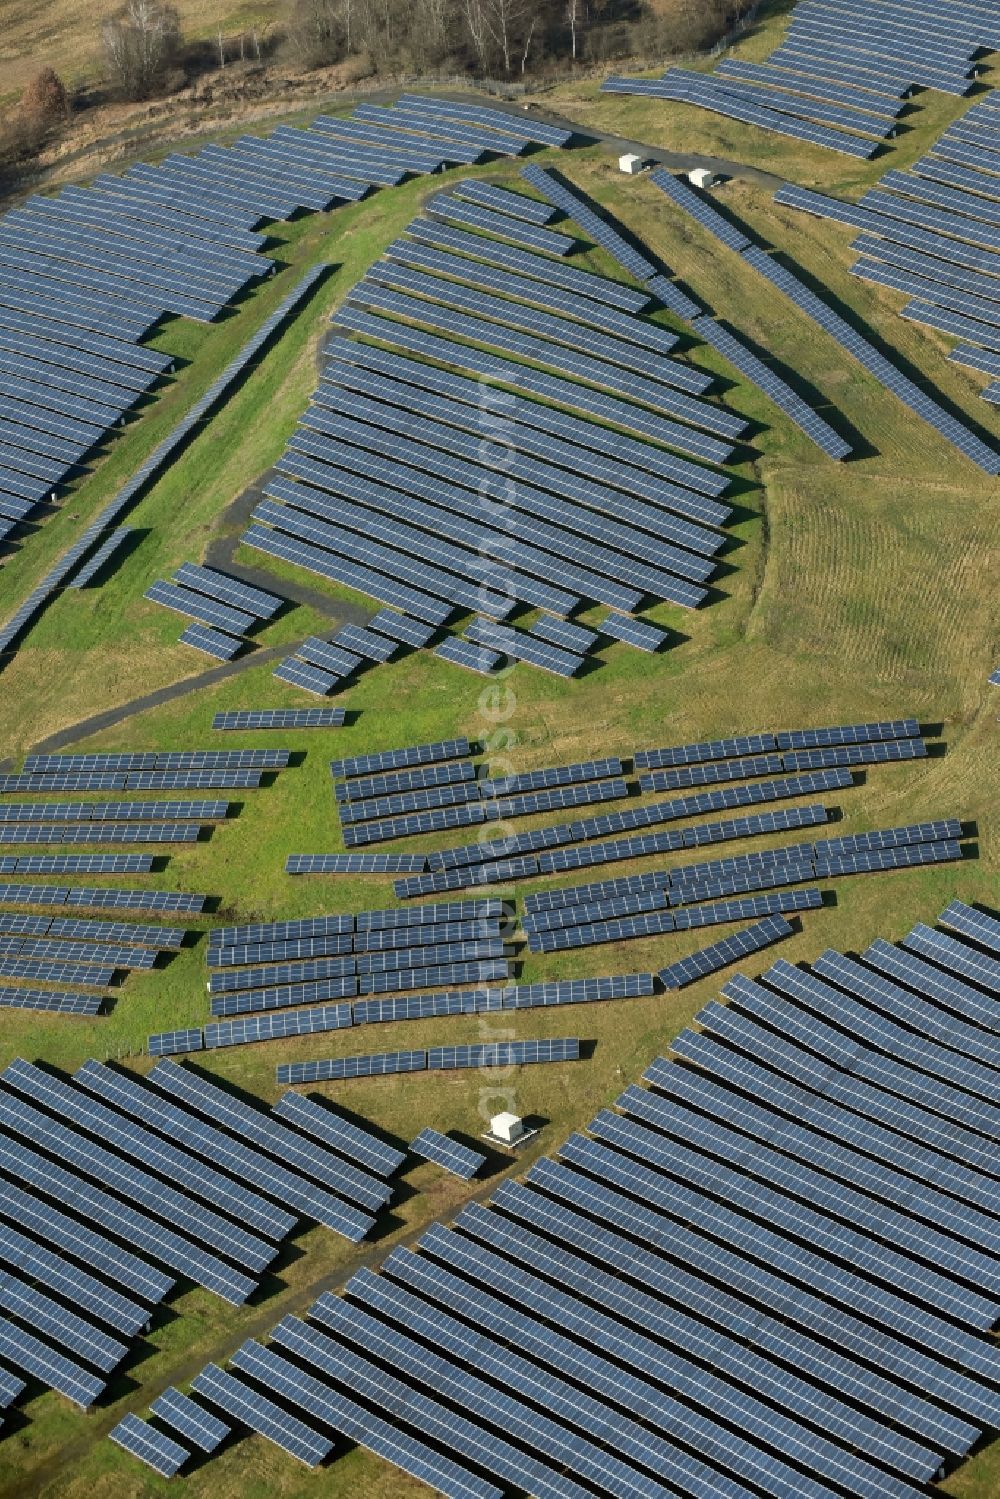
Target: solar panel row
{"x": 33, "y": 396}
{"x": 438, "y": 1058}
{"x": 280, "y": 718}
{"x": 459, "y": 1159}
{"x": 792, "y": 1133}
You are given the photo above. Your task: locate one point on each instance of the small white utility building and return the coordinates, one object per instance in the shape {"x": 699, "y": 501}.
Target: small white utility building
{"x": 701, "y": 177}
{"x": 630, "y": 164}
{"x": 506, "y": 1127}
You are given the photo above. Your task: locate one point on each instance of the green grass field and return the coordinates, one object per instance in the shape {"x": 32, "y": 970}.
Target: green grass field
{"x": 855, "y": 591}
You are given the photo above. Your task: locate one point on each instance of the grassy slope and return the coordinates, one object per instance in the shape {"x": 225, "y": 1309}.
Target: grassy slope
{"x": 861, "y": 597}
{"x": 682, "y": 127}
{"x": 65, "y": 35}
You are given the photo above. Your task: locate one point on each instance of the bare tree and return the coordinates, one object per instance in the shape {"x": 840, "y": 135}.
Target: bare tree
{"x": 497, "y": 27}
{"x": 140, "y": 42}
{"x": 432, "y": 29}
{"x": 319, "y": 31}
{"x": 474, "y": 12}
{"x": 380, "y": 25}
{"x": 527, "y": 45}
{"x": 573, "y": 19}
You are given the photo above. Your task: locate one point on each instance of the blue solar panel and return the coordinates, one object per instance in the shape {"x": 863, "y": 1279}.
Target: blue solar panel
{"x": 619, "y": 461}
{"x": 337, "y": 1412}
{"x": 211, "y": 642}
{"x": 868, "y": 1088}
{"x": 592, "y": 365}
{"x": 257, "y": 1028}
{"x": 783, "y": 396}
{"x": 229, "y": 590}
{"x": 239, "y": 1159}
{"x": 875, "y": 363}
{"x": 277, "y": 996}
{"x": 184, "y": 601}
{"x": 524, "y": 289}
{"x": 886, "y": 108}
{"x": 201, "y": 1428}
{"x": 402, "y": 802}
{"x": 635, "y": 632}
{"x": 705, "y": 93}
{"x": 58, "y": 1001}
{"x": 485, "y": 908}
{"x": 472, "y": 657}
{"x": 634, "y": 418}
{"x": 107, "y": 898}
{"x": 341, "y": 570}
{"x": 919, "y": 1011}
{"x": 454, "y": 1157}
{"x": 152, "y": 1447}
{"x": 592, "y": 551}
{"x": 787, "y": 1168}
{"x": 358, "y": 1144}
{"x": 261, "y": 1415}
{"x": 973, "y": 924}
{"x": 427, "y": 128}
{"x": 355, "y": 863}
{"x": 280, "y": 718}
{"x": 337, "y": 1068}
{"x": 958, "y": 957}
{"x": 274, "y": 952}
{"x": 553, "y": 272}
{"x": 728, "y": 950}
{"x": 503, "y": 1053}
{"x": 493, "y": 119}
{"x": 280, "y": 974}
{"x": 908, "y": 1064}
{"x": 400, "y": 627}
{"x": 311, "y": 678}
{"x": 295, "y": 1152}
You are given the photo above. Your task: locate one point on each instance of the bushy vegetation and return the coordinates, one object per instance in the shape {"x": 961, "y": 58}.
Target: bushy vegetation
{"x": 498, "y": 38}
{"x": 142, "y": 43}
{"x": 41, "y": 114}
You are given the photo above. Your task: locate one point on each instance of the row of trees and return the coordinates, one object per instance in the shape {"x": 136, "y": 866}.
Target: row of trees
{"x": 144, "y": 47}
{"x": 499, "y": 38}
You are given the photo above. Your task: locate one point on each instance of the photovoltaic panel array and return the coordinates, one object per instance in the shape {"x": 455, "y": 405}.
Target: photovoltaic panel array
{"x": 65, "y": 274}
{"x": 736, "y": 103}
{"x": 897, "y": 847}
{"x": 336, "y": 1069}
{"x": 832, "y": 323}
{"x": 840, "y": 71}
{"x": 459, "y": 1159}
{"x": 152, "y": 1447}
{"x": 102, "y": 898}
{"x": 554, "y": 187}
{"x": 345, "y": 1136}
{"x": 191, "y": 1420}
{"x": 438, "y": 1058}
{"x": 933, "y": 233}
{"x": 280, "y": 718}
{"x": 748, "y": 364}
{"x": 812, "y": 1156}
{"x": 243, "y": 1403}
{"x": 358, "y": 364}
{"x": 970, "y": 922}
{"x": 357, "y": 453}
{"x": 399, "y": 759}
{"x": 729, "y": 950}
{"x": 355, "y": 863}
